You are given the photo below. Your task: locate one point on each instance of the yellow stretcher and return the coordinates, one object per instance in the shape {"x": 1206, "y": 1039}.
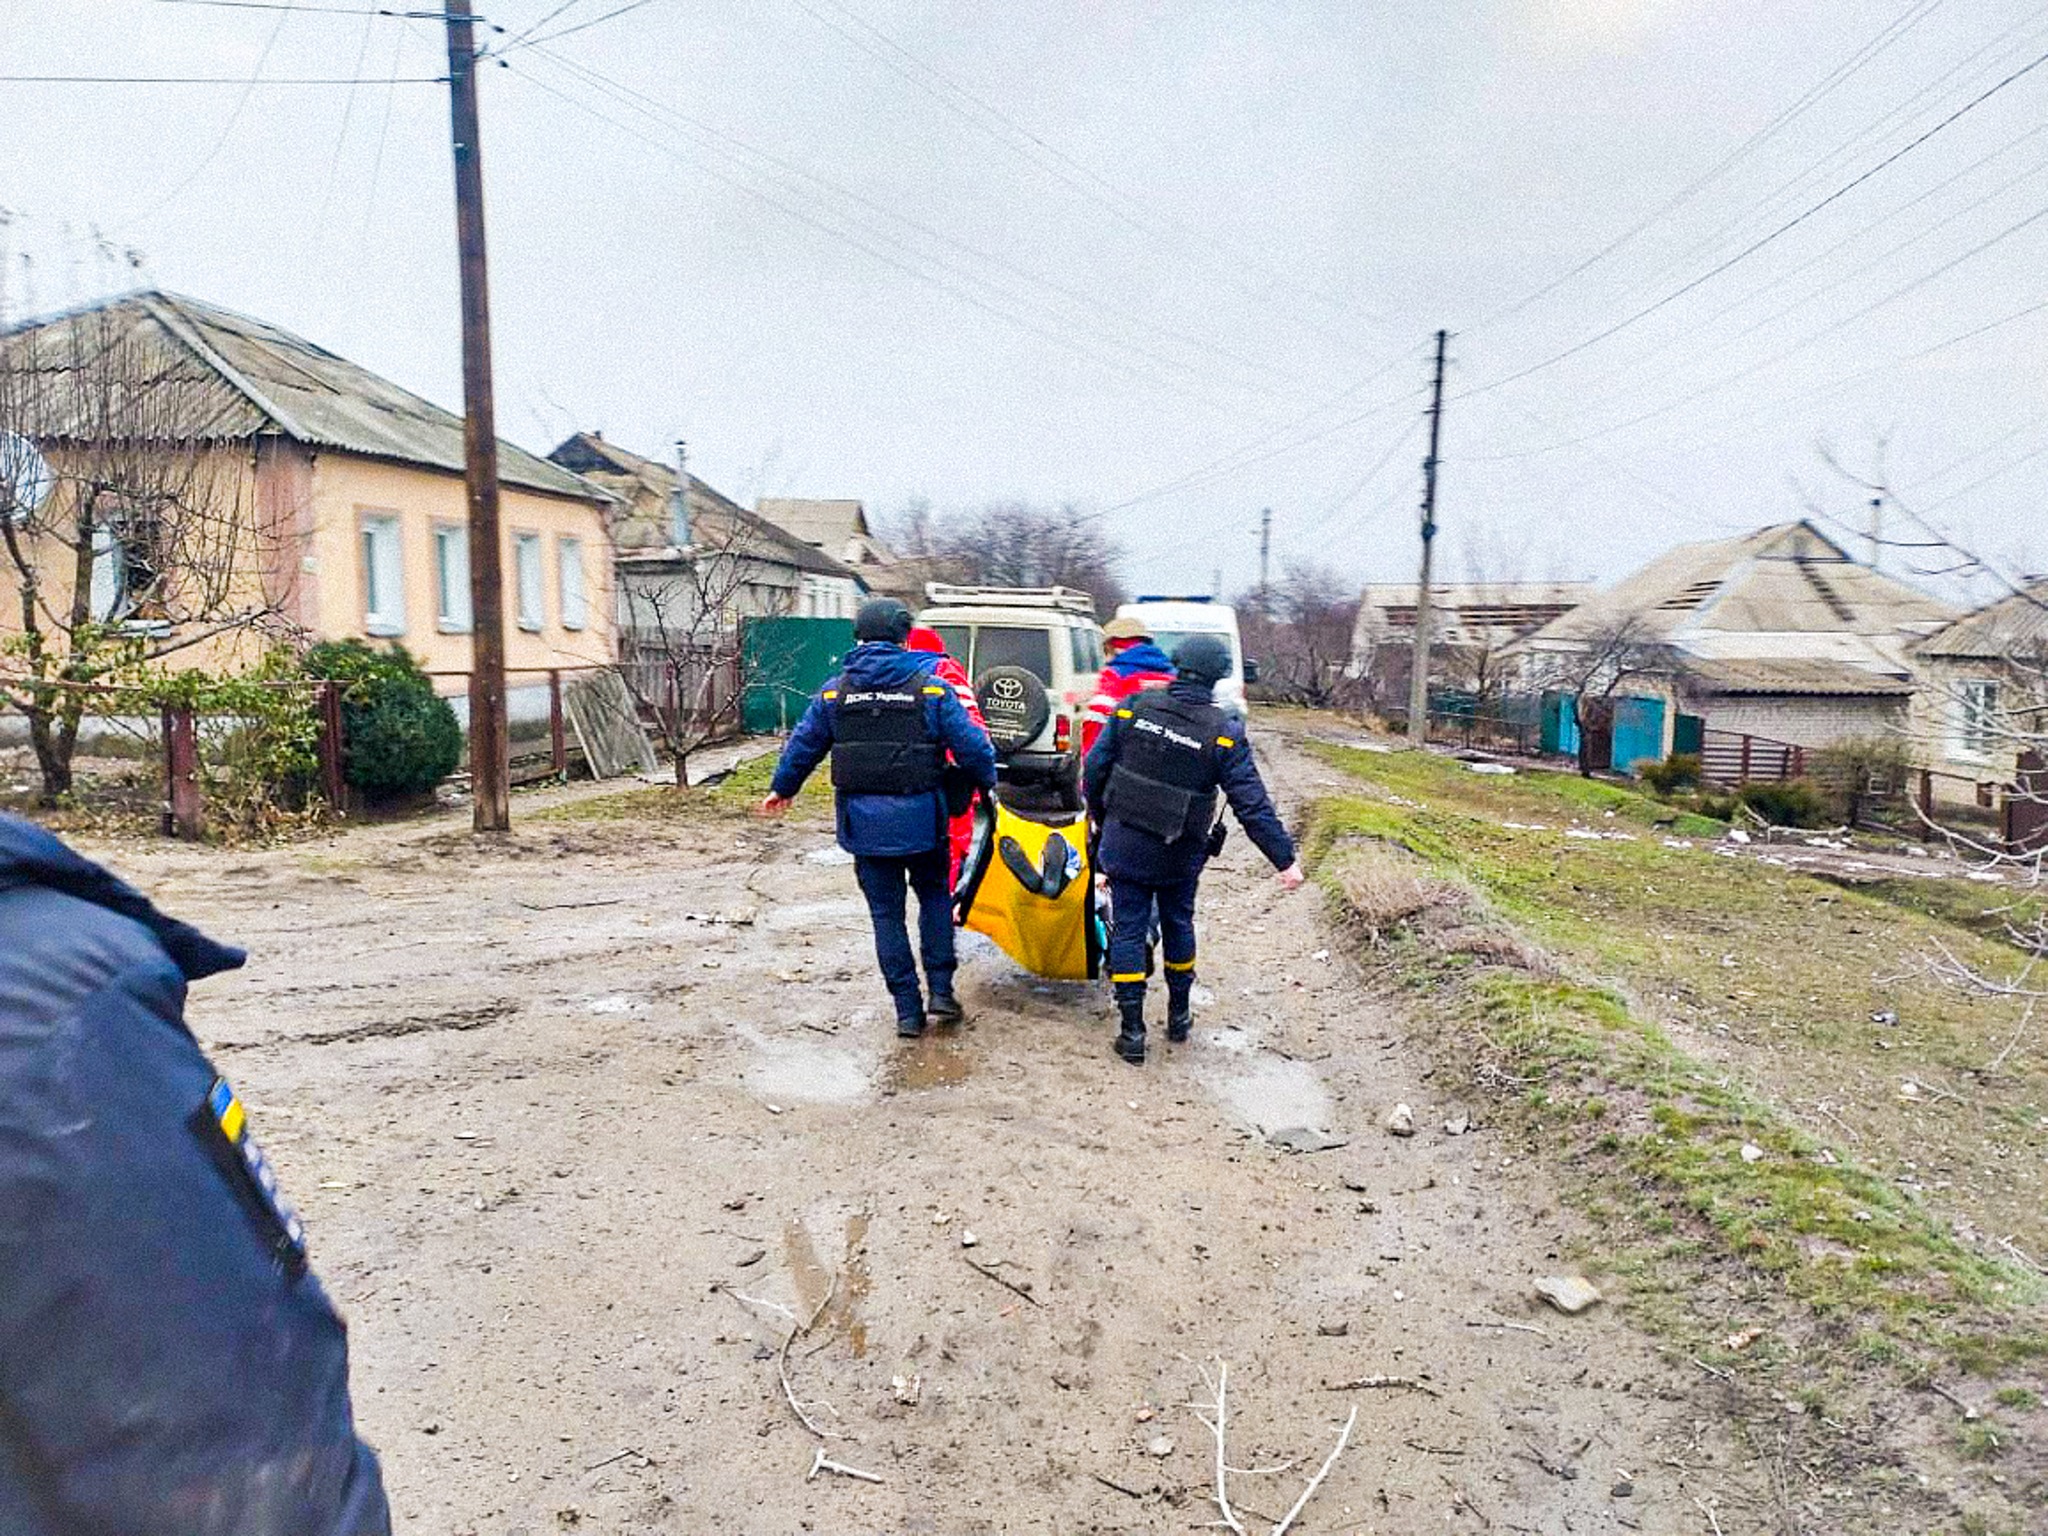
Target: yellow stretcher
{"x": 1028, "y": 883}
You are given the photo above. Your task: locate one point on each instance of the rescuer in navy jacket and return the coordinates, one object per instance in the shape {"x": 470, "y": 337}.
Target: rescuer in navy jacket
{"x": 1152, "y": 784}
{"x": 168, "y": 1365}
{"x": 888, "y": 725}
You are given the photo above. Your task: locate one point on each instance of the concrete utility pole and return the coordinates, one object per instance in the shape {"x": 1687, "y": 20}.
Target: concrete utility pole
{"x": 1265, "y": 563}
{"x": 489, "y": 747}
{"x": 1877, "y": 533}
{"x": 1418, "y": 683}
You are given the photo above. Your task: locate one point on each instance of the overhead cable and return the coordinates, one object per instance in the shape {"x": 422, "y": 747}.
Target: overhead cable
{"x": 1757, "y": 245}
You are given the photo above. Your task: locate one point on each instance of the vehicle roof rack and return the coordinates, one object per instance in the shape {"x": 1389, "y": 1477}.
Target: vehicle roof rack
{"x": 947, "y": 595}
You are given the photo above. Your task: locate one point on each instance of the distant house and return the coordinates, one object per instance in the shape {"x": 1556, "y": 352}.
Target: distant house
{"x": 1983, "y": 695}
{"x": 1780, "y": 633}
{"x": 665, "y": 554}
{"x": 342, "y": 495}
{"x": 1471, "y": 624}
{"x": 839, "y": 527}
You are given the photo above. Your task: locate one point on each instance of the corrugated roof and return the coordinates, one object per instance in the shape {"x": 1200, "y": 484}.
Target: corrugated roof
{"x": 827, "y": 523}
{"x": 1785, "y": 675}
{"x": 1788, "y": 579}
{"x": 644, "y": 486}
{"x": 245, "y": 378}
{"x": 2013, "y": 628}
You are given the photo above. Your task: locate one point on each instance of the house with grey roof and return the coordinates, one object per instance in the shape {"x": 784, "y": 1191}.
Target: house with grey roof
{"x": 1983, "y": 698}
{"x": 1780, "y": 633}
{"x": 346, "y": 496}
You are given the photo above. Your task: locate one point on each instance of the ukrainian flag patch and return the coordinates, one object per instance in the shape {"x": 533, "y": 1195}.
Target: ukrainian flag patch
{"x": 224, "y": 1123}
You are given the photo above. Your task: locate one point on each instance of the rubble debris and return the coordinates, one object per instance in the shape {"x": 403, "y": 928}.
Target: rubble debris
{"x": 1570, "y": 1294}
{"x": 1400, "y": 1121}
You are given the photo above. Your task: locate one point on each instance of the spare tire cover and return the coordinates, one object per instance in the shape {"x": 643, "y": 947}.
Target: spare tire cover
{"x": 1014, "y": 704}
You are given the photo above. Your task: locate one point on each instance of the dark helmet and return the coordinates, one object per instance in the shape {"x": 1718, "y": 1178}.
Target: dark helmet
{"x": 882, "y": 618}
{"x": 1202, "y": 659}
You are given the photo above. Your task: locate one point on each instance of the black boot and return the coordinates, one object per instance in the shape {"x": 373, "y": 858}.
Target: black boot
{"x": 909, "y": 1017}
{"x": 1179, "y": 1022}
{"x": 1130, "y": 1008}
{"x": 944, "y": 1008}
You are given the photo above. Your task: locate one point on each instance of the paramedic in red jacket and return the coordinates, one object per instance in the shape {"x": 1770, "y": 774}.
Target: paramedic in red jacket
{"x": 1134, "y": 663}
{"x": 959, "y": 829}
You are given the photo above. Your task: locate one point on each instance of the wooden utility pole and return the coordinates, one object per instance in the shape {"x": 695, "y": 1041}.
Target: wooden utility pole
{"x": 1265, "y": 563}
{"x": 489, "y": 748}
{"x": 1418, "y": 682}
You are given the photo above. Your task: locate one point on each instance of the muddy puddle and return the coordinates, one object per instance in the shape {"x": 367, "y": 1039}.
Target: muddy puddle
{"x": 803, "y": 1070}
{"x": 1269, "y": 1093}
{"x": 801, "y": 916}
{"x": 936, "y": 1061}
{"x": 833, "y": 1295}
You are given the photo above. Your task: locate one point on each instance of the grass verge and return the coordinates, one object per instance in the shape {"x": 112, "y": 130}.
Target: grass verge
{"x": 1666, "y": 1020}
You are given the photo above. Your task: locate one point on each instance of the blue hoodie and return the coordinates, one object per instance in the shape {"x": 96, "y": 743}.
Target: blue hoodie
{"x": 887, "y": 826}
{"x": 1144, "y": 657}
{"x": 164, "y": 1366}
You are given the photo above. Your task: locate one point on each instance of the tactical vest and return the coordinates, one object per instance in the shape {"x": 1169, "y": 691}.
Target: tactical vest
{"x": 882, "y": 743}
{"x": 1164, "y": 781}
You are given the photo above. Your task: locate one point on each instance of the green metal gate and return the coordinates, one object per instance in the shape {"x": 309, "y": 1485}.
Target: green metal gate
{"x": 783, "y": 663}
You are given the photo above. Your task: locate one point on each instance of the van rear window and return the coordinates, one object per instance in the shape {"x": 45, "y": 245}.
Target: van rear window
{"x": 997, "y": 645}
{"x": 1168, "y": 640}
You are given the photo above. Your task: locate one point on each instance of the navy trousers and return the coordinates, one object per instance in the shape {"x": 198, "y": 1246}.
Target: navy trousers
{"x": 1131, "y": 907}
{"x": 883, "y": 882}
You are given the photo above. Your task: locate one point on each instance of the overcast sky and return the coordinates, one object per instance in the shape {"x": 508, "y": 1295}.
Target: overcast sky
{"x": 1173, "y": 260}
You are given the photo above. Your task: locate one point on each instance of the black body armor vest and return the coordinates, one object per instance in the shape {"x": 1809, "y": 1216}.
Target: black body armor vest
{"x": 881, "y": 744}
{"x": 1164, "y": 781}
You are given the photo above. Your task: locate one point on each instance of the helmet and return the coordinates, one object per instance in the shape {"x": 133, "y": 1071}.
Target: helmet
{"x": 1202, "y": 659}
{"x": 882, "y": 618}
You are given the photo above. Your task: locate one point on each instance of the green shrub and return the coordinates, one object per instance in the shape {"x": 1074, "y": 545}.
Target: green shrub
{"x": 1794, "y": 803}
{"x": 1681, "y": 770}
{"x": 399, "y": 738}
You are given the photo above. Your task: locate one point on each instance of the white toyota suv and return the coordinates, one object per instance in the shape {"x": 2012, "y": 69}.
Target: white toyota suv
{"x": 1033, "y": 654}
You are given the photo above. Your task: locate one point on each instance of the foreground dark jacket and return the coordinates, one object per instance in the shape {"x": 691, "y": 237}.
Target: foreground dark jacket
{"x": 162, "y": 1372}
{"x": 1128, "y": 853}
{"x": 888, "y": 825}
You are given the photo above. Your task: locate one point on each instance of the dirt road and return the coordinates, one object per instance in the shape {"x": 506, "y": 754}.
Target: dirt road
{"x": 550, "y": 1108}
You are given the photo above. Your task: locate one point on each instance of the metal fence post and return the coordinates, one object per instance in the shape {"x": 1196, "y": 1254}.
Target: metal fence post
{"x": 184, "y": 814}
{"x": 332, "y": 745}
{"x": 558, "y": 739}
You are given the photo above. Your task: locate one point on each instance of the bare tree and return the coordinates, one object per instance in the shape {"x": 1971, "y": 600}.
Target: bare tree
{"x": 681, "y": 615}
{"x": 1619, "y": 648}
{"x": 129, "y": 521}
{"x": 1302, "y": 635}
{"x": 1015, "y": 544}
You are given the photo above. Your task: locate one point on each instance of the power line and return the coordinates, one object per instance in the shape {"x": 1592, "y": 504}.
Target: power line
{"x": 581, "y": 26}
{"x": 655, "y": 108}
{"x": 311, "y": 10}
{"x": 1804, "y": 342}
{"x": 866, "y": 242}
{"x": 240, "y": 80}
{"x": 1877, "y": 131}
{"x": 1050, "y": 159}
{"x": 1757, "y": 245}
{"x": 1900, "y": 25}
{"x": 1829, "y": 287}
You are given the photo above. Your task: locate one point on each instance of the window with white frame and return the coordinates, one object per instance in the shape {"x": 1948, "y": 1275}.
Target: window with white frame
{"x": 451, "y": 578}
{"x": 383, "y": 575}
{"x": 532, "y": 582}
{"x": 574, "y": 596}
{"x": 1977, "y": 726}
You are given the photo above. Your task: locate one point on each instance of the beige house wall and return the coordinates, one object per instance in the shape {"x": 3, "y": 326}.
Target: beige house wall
{"x": 1807, "y": 720}
{"x": 1936, "y": 724}
{"x": 347, "y": 489}
{"x": 248, "y": 546}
